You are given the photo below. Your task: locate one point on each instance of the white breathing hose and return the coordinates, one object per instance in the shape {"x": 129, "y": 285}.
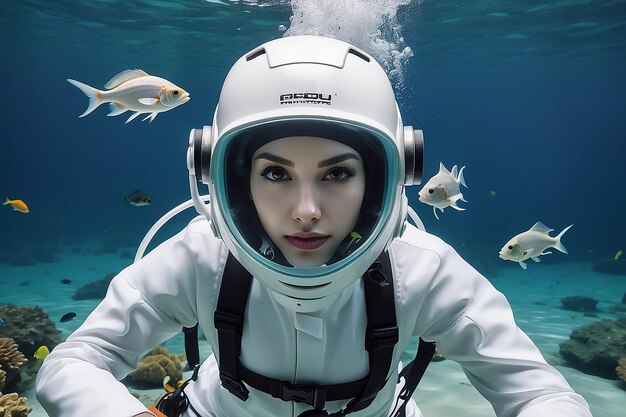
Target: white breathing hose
{"x": 166, "y": 217}
{"x": 416, "y": 219}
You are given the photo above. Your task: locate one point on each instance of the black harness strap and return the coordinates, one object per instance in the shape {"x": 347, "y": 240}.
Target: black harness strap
{"x": 228, "y": 320}
{"x": 192, "y": 349}
{"x": 413, "y": 373}
{"x": 381, "y": 336}
{"x": 312, "y": 394}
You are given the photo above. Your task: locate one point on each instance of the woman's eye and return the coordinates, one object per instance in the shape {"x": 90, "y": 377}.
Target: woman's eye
{"x": 338, "y": 174}
{"x": 275, "y": 174}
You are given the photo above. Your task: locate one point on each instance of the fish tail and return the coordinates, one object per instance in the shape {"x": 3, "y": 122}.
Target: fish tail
{"x": 6, "y": 201}
{"x": 95, "y": 95}
{"x": 558, "y": 245}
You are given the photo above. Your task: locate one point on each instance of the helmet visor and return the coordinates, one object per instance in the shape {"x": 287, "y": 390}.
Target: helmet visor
{"x": 231, "y": 168}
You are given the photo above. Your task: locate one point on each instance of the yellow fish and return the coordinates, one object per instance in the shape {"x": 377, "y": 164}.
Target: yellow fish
{"x": 618, "y": 255}
{"x": 18, "y": 205}
{"x": 41, "y": 353}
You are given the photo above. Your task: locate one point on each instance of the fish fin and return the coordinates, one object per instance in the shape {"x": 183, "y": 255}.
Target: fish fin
{"x": 6, "y": 201}
{"x": 122, "y": 77}
{"x": 435, "y": 211}
{"x": 523, "y": 265}
{"x": 536, "y": 258}
{"x": 95, "y": 95}
{"x": 453, "y": 201}
{"x": 541, "y": 228}
{"x": 460, "y": 179}
{"x": 133, "y": 116}
{"x": 545, "y": 253}
{"x": 454, "y": 171}
{"x": 116, "y": 109}
{"x": 558, "y": 245}
{"x": 148, "y": 101}
{"x": 442, "y": 168}
{"x": 151, "y": 116}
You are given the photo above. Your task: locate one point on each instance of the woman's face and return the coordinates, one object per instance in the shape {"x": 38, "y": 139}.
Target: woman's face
{"x": 307, "y": 192}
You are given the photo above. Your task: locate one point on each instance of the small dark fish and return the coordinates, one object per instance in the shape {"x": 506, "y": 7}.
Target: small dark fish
{"x": 67, "y": 317}
{"x": 138, "y": 198}
{"x": 24, "y": 283}
{"x": 1, "y": 321}
{"x": 66, "y": 281}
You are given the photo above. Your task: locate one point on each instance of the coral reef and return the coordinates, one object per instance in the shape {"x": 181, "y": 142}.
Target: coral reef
{"x": 29, "y": 327}
{"x": 94, "y": 290}
{"x": 155, "y": 366}
{"x": 11, "y": 359}
{"x": 595, "y": 348}
{"x": 579, "y": 303}
{"x": 11, "y": 405}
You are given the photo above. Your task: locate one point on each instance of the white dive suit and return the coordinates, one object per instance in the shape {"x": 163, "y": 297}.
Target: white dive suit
{"x": 438, "y": 297}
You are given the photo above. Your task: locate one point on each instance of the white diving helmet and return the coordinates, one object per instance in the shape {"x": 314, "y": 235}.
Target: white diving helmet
{"x": 305, "y": 86}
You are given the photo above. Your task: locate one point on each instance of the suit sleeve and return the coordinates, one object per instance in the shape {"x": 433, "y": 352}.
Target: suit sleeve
{"x": 473, "y": 324}
{"x": 145, "y": 304}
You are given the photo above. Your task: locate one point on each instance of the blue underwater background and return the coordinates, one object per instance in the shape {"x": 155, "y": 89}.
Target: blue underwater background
{"x": 530, "y": 96}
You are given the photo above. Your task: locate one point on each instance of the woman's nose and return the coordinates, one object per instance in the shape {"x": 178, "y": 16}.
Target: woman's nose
{"x": 306, "y": 208}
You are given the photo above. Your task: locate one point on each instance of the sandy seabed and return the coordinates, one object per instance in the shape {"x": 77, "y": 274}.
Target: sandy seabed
{"x": 445, "y": 391}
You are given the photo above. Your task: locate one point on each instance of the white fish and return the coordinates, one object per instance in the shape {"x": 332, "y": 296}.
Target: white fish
{"x": 532, "y": 244}
{"x": 444, "y": 189}
{"x": 134, "y": 90}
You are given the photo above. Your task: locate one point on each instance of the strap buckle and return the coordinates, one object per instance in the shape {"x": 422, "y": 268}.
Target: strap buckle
{"x": 235, "y": 387}
{"x": 313, "y": 395}
{"x": 228, "y": 322}
{"x": 384, "y": 337}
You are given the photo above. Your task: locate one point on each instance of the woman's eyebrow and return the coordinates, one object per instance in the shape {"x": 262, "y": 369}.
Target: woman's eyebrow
{"x": 275, "y": 158}
{"x": 337, "y": 159}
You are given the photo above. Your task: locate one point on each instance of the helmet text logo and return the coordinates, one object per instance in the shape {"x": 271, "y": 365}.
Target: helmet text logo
{"x": 305, "y": 98}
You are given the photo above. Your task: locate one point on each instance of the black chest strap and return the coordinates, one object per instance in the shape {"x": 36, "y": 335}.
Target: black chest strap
{"x": 381, "y": 336}
{"x": 228, "y": 319}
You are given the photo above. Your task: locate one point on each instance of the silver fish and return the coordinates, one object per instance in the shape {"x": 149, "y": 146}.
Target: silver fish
{"x": 138, "y": 198}
{"x": 134, "y": 90}
{"x": 444, "y": 189}
{"x": 532, "y": 244}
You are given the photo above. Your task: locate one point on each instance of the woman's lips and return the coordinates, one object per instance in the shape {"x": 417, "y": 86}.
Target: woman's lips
{"x": 307, "y": 241}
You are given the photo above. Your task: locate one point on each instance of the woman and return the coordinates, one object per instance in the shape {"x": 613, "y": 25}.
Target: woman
{"x": 306, "y": 163}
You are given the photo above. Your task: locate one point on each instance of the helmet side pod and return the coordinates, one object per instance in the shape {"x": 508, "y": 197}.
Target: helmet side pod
{"x": 200, "y": 143}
